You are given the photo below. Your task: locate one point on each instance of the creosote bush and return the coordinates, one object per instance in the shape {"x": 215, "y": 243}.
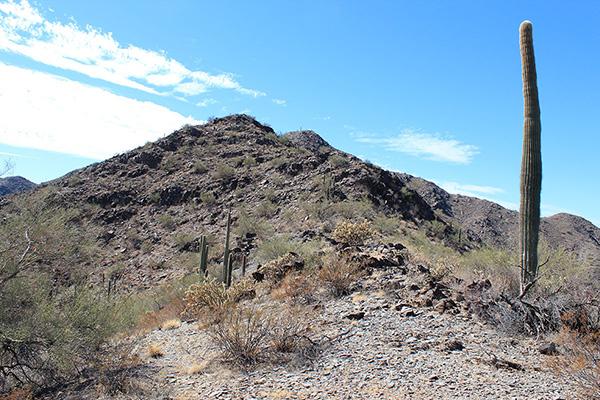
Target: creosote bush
{"x": 54, "y": 318}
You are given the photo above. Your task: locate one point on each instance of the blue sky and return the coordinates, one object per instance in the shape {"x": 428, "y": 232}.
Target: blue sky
{"x": 430, "y": 88}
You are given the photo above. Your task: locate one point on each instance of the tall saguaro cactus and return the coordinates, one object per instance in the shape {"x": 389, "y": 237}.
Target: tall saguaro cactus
{"x": 531, "y": 163}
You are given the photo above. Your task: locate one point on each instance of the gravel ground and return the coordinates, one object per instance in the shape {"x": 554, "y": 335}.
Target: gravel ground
{"x": 395, "y": 351}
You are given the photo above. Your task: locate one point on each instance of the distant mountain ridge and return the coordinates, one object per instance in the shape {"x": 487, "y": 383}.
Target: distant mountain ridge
{"x": 15, "y": 184}
{"x": 490, "y": 223}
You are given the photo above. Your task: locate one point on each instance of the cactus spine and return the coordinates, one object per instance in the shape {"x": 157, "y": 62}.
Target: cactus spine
{"x": 531, "y": 163}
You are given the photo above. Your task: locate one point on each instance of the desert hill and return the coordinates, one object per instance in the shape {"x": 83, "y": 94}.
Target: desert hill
{"x": 15, "y": 184}
{"x": 145, "y": 209}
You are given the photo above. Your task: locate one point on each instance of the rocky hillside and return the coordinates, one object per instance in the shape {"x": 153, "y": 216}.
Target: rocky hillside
{"x": 145, "y": 209}
{"x": 15, "y": 184}
{"x": 487, "y": 222}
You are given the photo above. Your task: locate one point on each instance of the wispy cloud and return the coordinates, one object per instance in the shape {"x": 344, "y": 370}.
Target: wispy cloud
{"x": 74, "y": 118}
{"x": 279, "y": 102}
{"x": 206, "y": 102}
{"x": 16, "y": 155}
{"x": 25, "y": 31}
{"x": 427, "y": 146}
{"x": 468, "y": 190}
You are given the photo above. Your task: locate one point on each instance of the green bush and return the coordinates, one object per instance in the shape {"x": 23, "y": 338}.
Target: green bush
{"x": 224, "y": 172}
{"x": 166, "y": 221}
{"x": 337, "y": 160}
{"x": 53, "y": 317}
{"x": 199, "y": 167}
{"x": 276, "y": 247}
{"x": 249, "y": 162}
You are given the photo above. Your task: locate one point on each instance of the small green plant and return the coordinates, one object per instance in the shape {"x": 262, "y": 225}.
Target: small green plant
{"x": 199, "y": 167}
{"x": 169, "y": 163}
{"x": 224, "y": 172}
{"x": 276, "y": 247}
{"x": 250, "y": 162}
{"x": 266, "y": 209}
{"x": 247, "y": 223}
{"x": 166, "y": 221}
{"x": 208, "y": 198}
{"x": 182, "y": 239}
{"x": 337, "y": 160}
{"x": 278, "y": 162}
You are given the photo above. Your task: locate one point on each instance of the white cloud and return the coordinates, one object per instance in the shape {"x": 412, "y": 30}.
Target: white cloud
{"x": 279, "y": 102}
{"x": 206, "y": 102}
{"x": 468, "y": 190}
{"x": 52, "y": 113}
{"x": 428, "y": 146}
{"x": 25, "y": 31}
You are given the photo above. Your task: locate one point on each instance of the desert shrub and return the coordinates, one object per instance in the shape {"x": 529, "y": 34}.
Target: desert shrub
{"x": 276, "y": 247}
{"x": 386, "y": 226}
{"x": 355, "y": 210}
{"x": 322, "y": 210}
{"x": 337, "y": 160}
{"x": 50, "y": 329}
{"x": 213, "y": 297}
{"x": 278, "y": 162}
{"x": 326, "y": 185}
{"x": 284, "y": 140}
{"x": 276, "y": 269}
{"x": 579, "y": 360}
{"x": 183, "y": 239}
{"x": 295, "y": 288}
{"x": 338, "y": 275}
{"x": 224, "y": 172}
{"x": 199, "y": 167}
{"x": 249, "y": 162}
{"x": 169, "y": 163}
{"x": 324, "y": 149}
{"x": 208, "y": 198}
{"x": 248, "y": 335}
{"x": 354, "y": 234}
{"x": 266, "y": 209}
{"x": 166, "y": 221}
{"x": 247, "y": 223}
{"x": 242, "y": 336}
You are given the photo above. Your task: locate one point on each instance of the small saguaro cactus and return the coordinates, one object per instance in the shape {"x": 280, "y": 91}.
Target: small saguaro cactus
{"x": 203, "y": 257}
{"x": 227, "y": 257}
{"x": 531, "y": 163}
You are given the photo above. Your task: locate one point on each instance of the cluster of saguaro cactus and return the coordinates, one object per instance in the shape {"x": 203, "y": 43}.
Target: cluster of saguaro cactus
{"x": 531, "y": 163}
{"x": 227, "y": 257}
